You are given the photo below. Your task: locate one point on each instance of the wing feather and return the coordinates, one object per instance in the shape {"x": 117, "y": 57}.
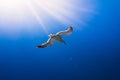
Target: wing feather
{"x": 65, "y": 32}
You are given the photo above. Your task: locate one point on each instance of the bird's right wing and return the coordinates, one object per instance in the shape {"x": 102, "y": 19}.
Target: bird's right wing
{"x": 46, "y": 44}
{"x": 65, "y": 32}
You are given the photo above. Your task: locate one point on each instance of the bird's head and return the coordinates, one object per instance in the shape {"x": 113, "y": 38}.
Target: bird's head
{"x": 51, "y": 35}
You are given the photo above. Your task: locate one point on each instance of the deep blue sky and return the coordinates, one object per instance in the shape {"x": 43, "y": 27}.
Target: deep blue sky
{"x": 92, "y": 53}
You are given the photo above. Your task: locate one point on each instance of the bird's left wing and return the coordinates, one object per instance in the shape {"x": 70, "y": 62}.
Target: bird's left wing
{"x": 46, "y": 44}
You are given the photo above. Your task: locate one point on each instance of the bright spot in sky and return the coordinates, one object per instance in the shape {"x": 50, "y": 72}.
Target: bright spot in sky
{"x": 17, "y": 16}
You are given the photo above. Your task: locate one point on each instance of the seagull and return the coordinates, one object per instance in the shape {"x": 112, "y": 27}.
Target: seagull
{"x": 56, "y": 38}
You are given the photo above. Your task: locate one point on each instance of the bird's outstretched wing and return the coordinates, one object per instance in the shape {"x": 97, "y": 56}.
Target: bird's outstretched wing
{"x": 66, "y": 32}
{"x": 46, "y": 44}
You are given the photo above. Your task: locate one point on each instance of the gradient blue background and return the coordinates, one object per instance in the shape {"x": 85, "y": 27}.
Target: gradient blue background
{"x": 92, "y": 53}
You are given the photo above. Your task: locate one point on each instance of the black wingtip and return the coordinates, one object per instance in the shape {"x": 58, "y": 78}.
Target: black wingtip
{"x": 71, "y": 28}
{"x": 40, "y": 46}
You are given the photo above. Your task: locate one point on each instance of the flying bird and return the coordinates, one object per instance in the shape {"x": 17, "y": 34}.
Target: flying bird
{"x": 56, "y": 38}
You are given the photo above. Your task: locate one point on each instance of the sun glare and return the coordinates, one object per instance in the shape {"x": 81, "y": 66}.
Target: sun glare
{"x": 17, "y": 15}
{"x": 9, "y": 3}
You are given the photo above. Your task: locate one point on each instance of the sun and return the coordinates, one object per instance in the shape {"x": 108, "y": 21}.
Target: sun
{"x": 19, "y": 15}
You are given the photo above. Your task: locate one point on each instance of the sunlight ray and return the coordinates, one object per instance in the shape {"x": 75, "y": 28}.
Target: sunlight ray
{"x": 36, "y": 15}
{"x": 63, "y": 11}
{"x": 17, "y": 15}
{"x": 46, "y": 6}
